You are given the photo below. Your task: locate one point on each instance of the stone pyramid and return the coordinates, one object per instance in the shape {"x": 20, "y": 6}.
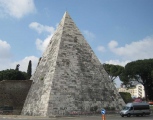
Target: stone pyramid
{"x": 69, "y": 77}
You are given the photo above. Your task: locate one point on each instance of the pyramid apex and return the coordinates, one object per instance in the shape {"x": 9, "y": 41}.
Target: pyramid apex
{"x": 66, "y": 17}
{"x": 66, "y": 14}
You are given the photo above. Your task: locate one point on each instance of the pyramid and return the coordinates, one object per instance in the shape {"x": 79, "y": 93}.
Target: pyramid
{"x": 69, "y": 78}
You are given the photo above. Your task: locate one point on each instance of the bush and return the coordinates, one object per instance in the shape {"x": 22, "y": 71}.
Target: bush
{"x": 11, "y": 74}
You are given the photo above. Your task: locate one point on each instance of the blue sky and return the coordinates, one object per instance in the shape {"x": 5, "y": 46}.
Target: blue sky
{"x": 119, "y": 31}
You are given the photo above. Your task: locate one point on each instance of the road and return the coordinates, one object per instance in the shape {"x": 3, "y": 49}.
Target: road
{"x": 98, "y": 117}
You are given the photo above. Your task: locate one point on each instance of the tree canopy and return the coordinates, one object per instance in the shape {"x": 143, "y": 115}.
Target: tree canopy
{"x": 113, "y": 70}
{"x": 11, "y": 74}
{"x": 17, "y": 67}
{"x": 126, "y": 97}
{"x": 140, "y": 71}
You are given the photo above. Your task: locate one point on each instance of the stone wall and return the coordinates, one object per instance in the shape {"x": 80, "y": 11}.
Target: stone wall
{"x": 13, "y": 93}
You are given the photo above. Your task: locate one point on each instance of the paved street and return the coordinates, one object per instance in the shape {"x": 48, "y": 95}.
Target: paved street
{"x": 98, "y": 117}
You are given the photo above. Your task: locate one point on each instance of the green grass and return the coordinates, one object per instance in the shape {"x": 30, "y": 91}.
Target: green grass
{"x": 151, "y": 107}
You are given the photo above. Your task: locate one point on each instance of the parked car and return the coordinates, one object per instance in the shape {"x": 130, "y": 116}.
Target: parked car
{"x": 150, "y": 103}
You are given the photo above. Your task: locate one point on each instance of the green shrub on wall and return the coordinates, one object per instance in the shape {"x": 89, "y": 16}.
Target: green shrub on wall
{"x": 42, "y": 78}
{"x": 11, "y": 74}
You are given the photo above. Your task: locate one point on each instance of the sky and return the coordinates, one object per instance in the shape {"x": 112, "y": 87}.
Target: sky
{"x": 118, "y": 31}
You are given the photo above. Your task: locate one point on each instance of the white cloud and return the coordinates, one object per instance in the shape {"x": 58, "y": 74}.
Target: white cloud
{"x": 88, "y": 35}
{"x": 4, "y": 50}
{"x": 41, "y": 28}
{"x": 101, "y": 48}
{"x": 5, "y": 64}
{"x": 113, "y": 44}
{"x": 117, "y": 62}
{"x": 42, "y": 44}
{"x": 24, "y": 63}
{"x": 8, "y": 64}
{"x": 17, "y": 8}
{"x": 136, "y": 50}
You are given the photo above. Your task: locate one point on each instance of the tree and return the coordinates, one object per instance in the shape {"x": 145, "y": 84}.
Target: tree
{"x": 140, "y": 71}
{"x": 29, "y": 70}
{"x": 126, "y": 97}
{"x": 113, "y": 70}
{"x": 17, "y": 67}
{"x": 11, "y": 74}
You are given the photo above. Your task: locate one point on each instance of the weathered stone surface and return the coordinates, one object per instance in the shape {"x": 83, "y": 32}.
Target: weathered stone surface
{"x": 69, "y": 77}
{"x": 13, "y": 93}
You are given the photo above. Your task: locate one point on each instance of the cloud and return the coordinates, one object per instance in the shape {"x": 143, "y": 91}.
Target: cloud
{"x": 4, "y": 50}
{"x": 17, "y": 8}
{"x": 24, "y": 63}
{"x": 101, "y": 48}
{"x": 117, "y": 62}
{"x": 136, "y": 50}
{"x": 8, "y": 64}
{"x": 88, "y": 35}
{"x": 41, "y": 28}
{"x": 113, "y": 44}
{"x": 42, "y": 44}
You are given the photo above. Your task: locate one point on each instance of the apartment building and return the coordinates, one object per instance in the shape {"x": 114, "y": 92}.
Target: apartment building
{"x": 137, "y": 91}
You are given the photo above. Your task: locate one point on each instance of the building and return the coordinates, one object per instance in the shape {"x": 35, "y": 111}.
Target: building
{"x": 137, "y": 91}
{"x": 69, "y": 77}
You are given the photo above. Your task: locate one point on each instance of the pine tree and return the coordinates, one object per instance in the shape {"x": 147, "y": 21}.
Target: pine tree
{"x": 29, "y": 70}
{"x": 17, "y": 67}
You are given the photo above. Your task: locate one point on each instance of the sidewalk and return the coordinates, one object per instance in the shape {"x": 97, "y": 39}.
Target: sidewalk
{"x": 58, "y": 117}
{"x": 23, "y": 117}
{"x": 51, "y": 117}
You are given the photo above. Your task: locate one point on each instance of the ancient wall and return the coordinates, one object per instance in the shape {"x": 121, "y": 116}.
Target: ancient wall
{"x": 13, "y": 93}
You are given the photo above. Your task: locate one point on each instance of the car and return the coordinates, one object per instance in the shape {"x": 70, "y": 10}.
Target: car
{"x": 150, "y": 103}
